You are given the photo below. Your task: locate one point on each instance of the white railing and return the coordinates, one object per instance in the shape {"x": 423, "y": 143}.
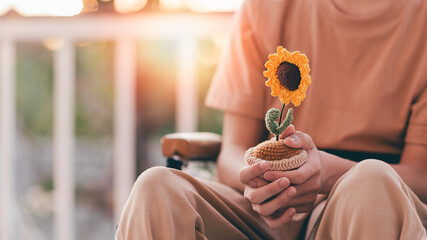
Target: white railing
{"x": 185, "y": 29}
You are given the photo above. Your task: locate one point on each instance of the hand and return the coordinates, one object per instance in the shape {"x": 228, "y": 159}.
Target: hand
{"x": 256, "y": 181}
{"x": 258, "y": 190}
{"x": 305, "y": 184}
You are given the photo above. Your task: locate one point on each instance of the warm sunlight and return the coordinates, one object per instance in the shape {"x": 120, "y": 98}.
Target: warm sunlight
{"x": 73, "y": 7}
{"x": 128, "y": 6}
{"x": 172, "y": 4}
{"x": 53, "y": 44}
{"x": 202, "y": 5}
{"x": 5, "y": 5}
{"x": 46, "y": 7}
{"x": 213, "y": 6}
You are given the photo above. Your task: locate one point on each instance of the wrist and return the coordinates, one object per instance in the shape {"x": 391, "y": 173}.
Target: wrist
{"x": 333, "y": 167}
{"x": 325, "y": 173}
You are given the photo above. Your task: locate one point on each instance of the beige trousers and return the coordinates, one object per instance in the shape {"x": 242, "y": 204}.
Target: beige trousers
{"x": 369, "y": 202}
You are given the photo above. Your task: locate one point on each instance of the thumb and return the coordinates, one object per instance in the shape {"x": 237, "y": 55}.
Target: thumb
{"x": 300, "y": 140}
{"x": 288, "y": 131}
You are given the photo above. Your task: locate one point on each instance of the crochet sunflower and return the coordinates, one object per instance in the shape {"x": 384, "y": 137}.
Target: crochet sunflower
{"x": 288, "y": 76}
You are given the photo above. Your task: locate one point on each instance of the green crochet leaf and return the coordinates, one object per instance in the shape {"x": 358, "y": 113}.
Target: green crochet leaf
{"x": 270, "y": 121}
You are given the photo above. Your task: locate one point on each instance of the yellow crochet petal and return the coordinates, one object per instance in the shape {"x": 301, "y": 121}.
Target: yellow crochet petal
{"x": 274, "y": 57}
{"x": 295, "y": 57}
{"x": 269, "y": 73}
{"x": 295, "y": 100}
{"x": 285, "y": 56}
{"x": 304, "y": 59}
{"x": 271, "y": 65}
{"x": 284, "y": 99}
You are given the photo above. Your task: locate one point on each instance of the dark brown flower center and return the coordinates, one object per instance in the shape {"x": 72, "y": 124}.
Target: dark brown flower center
{"x": 289, "y": 76}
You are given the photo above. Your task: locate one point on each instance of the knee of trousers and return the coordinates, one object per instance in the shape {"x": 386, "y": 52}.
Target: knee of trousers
{"x": 371, "y": 179}
{"x": 161, "y": 198}
{"x": 155, "y": 180}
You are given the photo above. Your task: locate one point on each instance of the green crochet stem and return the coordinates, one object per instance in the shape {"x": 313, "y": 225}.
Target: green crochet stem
{"x": 273, "y": 126}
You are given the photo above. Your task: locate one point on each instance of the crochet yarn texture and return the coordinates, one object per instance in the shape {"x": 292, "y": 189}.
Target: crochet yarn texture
{"x": 279, "y": 156}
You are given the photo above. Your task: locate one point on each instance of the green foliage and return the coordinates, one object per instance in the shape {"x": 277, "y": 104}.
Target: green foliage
{"x": 270, "y": 121}
{"x": 34, "y": 89}
{"x": 94, "y": 89}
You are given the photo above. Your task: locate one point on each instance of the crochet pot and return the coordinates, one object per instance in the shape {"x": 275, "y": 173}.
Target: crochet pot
{"x": 279, "y": 156}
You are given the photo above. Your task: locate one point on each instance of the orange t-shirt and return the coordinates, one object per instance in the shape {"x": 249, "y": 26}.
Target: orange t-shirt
{"x": 368, "y": 71}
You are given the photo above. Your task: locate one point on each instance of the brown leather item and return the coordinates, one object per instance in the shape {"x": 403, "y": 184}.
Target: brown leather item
{"x": 192, "y": 145}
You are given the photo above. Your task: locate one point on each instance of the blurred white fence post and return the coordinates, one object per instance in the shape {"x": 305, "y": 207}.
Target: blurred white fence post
{"x": 63, "y": 140}
{"x": 7, "y": 140}
{"x": 187, "y": 95}
{"x": 124, "y": 121}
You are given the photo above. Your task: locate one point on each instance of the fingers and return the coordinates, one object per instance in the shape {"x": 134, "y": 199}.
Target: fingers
{"x": 300, "y": 140}
{"x": 284, "y": 216}
{"x": 260, "y": 195}
{"x": 288, "y": 131}
{"x": 268, "y": 208}
{"x": 277, "y": 222}
{"x": 248, "y": 173}
{"x": 302, "y": 197}
{"x": 312, "y": 185}
{"x": 297, "y": 176}
{"x": 258, "y": 182}
{"x": 302, "y": 203}
{"x": 272, "y": 209}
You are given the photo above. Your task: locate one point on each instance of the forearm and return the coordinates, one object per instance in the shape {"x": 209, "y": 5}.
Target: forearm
{"x": 229, "y": 164}
{"x": 239, "y": 133}
{"x": 333, "y": 167}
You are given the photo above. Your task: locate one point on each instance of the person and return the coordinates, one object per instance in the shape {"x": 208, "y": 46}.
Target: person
{"x": 363, "y": 125}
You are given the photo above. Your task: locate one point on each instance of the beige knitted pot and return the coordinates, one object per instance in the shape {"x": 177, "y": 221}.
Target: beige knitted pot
{"x": 279, "y": 156}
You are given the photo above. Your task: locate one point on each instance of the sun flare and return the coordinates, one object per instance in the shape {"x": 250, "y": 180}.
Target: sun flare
{"x": 43, "y": 7}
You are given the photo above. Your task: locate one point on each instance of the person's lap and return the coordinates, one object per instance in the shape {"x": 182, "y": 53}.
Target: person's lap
{"x": 222, "y": 206}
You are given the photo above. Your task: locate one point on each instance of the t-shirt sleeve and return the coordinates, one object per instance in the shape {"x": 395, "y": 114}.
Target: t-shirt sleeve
{"x": 238, "y": 84}
{"x": 417, "y": 127}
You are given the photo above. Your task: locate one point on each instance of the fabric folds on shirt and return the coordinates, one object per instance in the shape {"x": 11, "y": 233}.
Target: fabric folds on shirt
{"x": 368, "y": 71}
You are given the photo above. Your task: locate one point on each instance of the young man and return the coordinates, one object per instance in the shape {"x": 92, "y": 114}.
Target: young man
{"x": 367, "y": 101}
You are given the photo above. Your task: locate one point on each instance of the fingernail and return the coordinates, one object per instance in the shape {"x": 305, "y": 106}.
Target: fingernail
{"x": 268, "y": 176}
{"x": 291, "y": 211}
{"x": 292, "y": 192}
{"x": 292, "y": 138}
{"x": 284, "y": 182}
{"x": 263, "y": 165}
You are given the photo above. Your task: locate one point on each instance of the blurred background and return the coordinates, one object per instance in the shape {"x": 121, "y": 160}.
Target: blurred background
{"x": 87, "y": 89}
